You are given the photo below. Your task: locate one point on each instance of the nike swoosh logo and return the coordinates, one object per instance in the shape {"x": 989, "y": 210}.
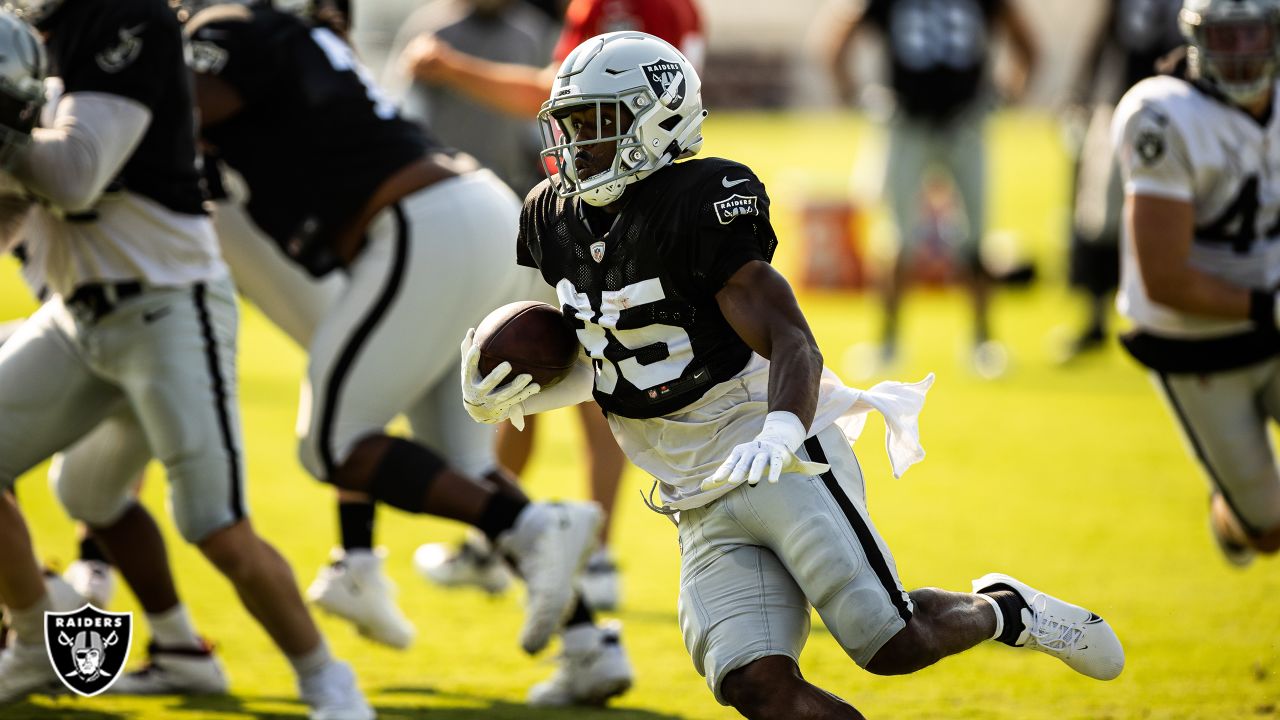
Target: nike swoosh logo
{"x": 1093, "y": 618}
{"x": 155, "y": 315}
{"x": 725, "y": 181}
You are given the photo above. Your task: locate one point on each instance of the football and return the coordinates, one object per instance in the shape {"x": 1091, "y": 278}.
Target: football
{"x": 533, "y": 336}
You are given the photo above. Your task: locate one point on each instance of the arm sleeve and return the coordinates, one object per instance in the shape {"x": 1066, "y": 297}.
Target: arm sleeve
{"x": 731, "y": 229}
{"x": 528, "y": 232}
{"x": 574, "y": 389}
{"x": 93, "y": 136}
{"x": 1152, "y": 152}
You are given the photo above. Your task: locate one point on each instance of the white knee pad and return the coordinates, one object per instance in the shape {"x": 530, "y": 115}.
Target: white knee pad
{"x": 85, "y": 500}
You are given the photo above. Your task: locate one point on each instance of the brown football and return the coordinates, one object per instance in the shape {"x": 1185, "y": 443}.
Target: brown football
{"x": 533, "y": 336}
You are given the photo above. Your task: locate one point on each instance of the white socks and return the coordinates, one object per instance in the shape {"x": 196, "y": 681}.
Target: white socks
{"x": 310, "y": 662}
{"x": 173, "y": 629}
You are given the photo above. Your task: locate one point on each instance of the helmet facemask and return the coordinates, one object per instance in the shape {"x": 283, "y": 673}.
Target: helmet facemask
{"x": 1236, "y": 52}
{"x": 614, "y": 137}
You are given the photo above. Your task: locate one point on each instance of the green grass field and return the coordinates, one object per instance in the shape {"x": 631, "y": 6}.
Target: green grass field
{"x": 1072, "y": 479}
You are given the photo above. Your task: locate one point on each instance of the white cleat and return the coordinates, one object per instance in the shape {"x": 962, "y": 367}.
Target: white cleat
{"x": 354, "y": 587}
{"x": 593, "y": 668}
{"x": 93, "y": 580}
{"x": 331, "y": 693}
{"x": 1074, "y": 635}
{"x": 600, "y": 582}
{"x": 175, "y": 671}
{"x": 25, "y": 669}
{"x": 474, "y": 562}
{"x": 550, "y": 543}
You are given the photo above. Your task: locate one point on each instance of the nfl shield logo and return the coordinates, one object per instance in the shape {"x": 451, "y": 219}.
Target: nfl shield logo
{"x": 667, "y": 82}
{"x": 88, "y": 647}
{"x": 597, "y": 251}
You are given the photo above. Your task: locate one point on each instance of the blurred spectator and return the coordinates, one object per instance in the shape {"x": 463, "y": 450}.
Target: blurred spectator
{"x": 504, "y": 31}
{"x": 520, "y": 90}
{"x": 1132, "y": 37}
{"x": 938, "y": 51}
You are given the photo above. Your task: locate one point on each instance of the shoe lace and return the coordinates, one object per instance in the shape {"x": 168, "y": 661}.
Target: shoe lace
{"x": 1052, "y": 632}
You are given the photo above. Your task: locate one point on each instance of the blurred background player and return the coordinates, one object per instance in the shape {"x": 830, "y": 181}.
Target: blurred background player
{"x": 501, "y": 31}
{"x": 1201, "y": 262}
{"x": 521, "y": 90}
{"x": 142, "y": 317}
{"x": 339, "y": 181}
{"x": 1131, "y": 38}
{"x": 939, "y": 52}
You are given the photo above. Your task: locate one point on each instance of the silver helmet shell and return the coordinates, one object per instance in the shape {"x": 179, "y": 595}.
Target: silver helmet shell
{"x": 638, "y": 75}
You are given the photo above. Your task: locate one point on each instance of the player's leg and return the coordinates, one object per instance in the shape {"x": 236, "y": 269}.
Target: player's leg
{"x": 744, "y": 619}
{"x": 444, "y": 247}
{"x": 48, "y": 398}
{"x": 1224, "y": 420}
{"x": 179, "y": 376}
{"x": 592, "y": 663}
{"x": 964, "y": 151}
{"x": 1095, "y": 254}
{"x": 909, "y": 156}
{"x": 601, "y": 584}
{"x": 823, "y": 534}
{"x": 95, "y": 481}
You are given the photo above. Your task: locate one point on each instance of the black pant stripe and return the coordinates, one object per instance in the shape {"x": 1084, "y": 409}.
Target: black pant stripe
{"x": 1198, "y": 449}
{"x": 342, "y": 368}
{"x": 220, "y": 400}
{"x": 860, "y": 528}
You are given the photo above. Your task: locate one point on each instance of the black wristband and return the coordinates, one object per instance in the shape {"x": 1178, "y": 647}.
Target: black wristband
{"x": 1262, "y": 309}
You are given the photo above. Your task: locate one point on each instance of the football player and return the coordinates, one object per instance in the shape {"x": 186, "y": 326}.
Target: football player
{"x": 1133, "y": 36}
{"x": 938, "y": 52}
{"x": 1200, "y": 262}
{"x": 698, "y": 351}
{"x": 341, "y": 183}
{"x": 520, "y": 90}
{"x": 142, "y": 316}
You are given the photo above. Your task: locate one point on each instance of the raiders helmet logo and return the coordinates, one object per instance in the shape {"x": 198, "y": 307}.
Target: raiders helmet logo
{"x": 597, "y": 251}
{"x": 88, "y": 647}
{"x": 667, "y": 81}
{"x": 734, "y": 206}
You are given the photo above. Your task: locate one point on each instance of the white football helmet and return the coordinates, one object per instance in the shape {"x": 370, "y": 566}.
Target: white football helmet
{"x": 645, "y": 76}
{"x": 22, "y": 69}
{"x": 1234, "y": 45}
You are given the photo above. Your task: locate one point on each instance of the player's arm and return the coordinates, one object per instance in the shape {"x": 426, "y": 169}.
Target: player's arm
{"x": 515, "y": 89}
{"x": 92, "y": 137}
{"x": 1026, "y": 55}
{"x": 760, "y": 306}
{"x": 762, "y": 309}
{"x": 216, "y": 99}
{"x": 837, "y": 41}
{"x": 1162, "y": 230}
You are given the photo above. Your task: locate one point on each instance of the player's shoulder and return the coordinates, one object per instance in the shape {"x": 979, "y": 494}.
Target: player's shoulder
{"x": 1164, "y": 96}
{"x": 702, "y": 176}
{"x": 223, "y": 21}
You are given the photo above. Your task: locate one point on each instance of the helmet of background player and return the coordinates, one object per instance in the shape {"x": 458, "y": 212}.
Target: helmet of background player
{"x": 620, "y": 75}
{"x": 22, "y": 70}
{"x": 36, "y": 12}
{"x": 1234, "y": 45}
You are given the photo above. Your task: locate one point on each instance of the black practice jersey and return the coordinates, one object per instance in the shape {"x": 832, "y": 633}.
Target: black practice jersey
{"x": 1143, "y": 31}
{"x": 315, "y": 137}
{"x": 133, "y": 49}
{"x": 938, "y": 51}
{"x": 642, "y": 294}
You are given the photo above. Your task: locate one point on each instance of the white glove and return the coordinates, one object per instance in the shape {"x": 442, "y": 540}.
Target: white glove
{"x": 483, "y": 402}
{"x": 773, "y": 449}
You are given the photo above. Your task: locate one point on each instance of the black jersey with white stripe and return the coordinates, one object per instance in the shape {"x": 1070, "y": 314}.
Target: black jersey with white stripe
{"x": 315, "y": 137}
{"x": 938, "y": 51}
{"x": 133, "y": 49}
{"x": 640, "y": 285}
